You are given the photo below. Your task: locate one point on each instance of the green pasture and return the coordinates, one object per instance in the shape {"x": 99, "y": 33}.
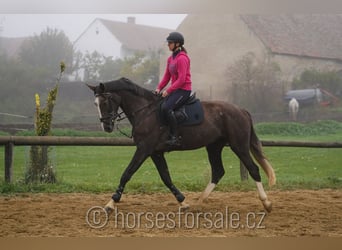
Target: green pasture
{"x": 98, "y": 169}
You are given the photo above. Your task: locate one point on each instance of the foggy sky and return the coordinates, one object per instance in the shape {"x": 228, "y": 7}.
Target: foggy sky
{"x": 22, "y": 25}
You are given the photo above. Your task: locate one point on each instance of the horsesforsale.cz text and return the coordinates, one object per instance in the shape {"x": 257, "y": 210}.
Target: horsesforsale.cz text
{"x": 97, "y": 217}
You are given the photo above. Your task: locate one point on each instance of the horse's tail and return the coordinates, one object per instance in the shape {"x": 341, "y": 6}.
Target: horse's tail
{"x": 257, "y": 152}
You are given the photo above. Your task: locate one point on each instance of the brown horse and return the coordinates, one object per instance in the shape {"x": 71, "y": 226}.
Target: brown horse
{"x": 223, "y": 124}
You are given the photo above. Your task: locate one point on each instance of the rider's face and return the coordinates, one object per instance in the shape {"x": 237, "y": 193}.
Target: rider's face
{"x": 171, "y": 46}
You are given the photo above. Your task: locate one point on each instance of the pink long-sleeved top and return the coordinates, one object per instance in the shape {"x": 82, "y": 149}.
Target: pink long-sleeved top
{"x": 178, "y": 70}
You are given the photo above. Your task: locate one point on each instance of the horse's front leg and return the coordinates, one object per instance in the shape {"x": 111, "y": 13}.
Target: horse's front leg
{"x": 138, "y": 158}
{"x": 160, "y": 162}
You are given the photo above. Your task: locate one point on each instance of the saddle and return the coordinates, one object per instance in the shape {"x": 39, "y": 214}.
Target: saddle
{"x": 191, "y": 113}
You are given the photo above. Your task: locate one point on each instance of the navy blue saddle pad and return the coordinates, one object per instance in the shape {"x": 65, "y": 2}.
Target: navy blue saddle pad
{"x": 189, "y": 114}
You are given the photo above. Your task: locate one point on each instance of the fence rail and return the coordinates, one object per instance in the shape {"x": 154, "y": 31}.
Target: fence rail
{"x": 11, "y": 141}
{"x": 65, "y": 141}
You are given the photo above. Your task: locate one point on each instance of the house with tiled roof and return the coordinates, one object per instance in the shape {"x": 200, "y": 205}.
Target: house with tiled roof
{"x": 295, "y": 42}
{"x": 119, "y": 39}
{"x": 312, "y": 36}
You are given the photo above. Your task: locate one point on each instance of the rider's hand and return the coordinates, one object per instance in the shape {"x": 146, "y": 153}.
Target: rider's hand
{"x": 165, "y": 94}
{"x": 157, "y": 91}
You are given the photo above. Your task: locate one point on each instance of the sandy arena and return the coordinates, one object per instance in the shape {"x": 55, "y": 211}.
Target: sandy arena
{"x": 295, "y": 213}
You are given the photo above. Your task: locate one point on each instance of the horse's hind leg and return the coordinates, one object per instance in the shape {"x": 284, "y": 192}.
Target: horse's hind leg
{"x": 217, "y": 171}
{"x": 160, "y": 162}
{"x": 253, "y": 170}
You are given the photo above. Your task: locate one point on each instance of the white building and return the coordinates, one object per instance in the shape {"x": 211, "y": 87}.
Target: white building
{"x": 119, "y": 39}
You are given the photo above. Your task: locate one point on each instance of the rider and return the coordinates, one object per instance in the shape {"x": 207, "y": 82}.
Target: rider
{"x": 178, "y": 70}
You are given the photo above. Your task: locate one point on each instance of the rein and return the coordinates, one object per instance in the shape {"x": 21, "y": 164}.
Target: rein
{"x": 132, "y": 115}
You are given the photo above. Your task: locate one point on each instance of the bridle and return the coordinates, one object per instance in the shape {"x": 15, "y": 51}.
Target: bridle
{"x": 113, "y": 116}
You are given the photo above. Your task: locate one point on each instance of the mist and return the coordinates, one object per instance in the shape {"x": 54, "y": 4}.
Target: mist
{"x": 24, "y": 25}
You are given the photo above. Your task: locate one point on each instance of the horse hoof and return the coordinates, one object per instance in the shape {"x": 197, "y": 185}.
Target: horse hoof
{"x": 116, "y": 197}
{"x": 267, "y": 205}
{"x": 184, "y": 206}
{"x": 180, "y": 197}
{"x": 109, "y": 207}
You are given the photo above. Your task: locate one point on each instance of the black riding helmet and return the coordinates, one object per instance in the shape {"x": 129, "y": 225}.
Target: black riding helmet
{"x": 175, "y": 37}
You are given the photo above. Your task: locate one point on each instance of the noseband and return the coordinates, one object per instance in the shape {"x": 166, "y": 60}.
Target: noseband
{"x": 110, "y": 117}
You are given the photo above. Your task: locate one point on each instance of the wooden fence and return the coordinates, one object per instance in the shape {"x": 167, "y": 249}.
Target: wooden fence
{"x": 11, "y": 141}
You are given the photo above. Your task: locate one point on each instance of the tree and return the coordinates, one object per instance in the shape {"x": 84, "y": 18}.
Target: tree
{"x": 91, "y": 63}
{"x": 148, "y": 71}
{"x": 255, "y": 83}
{"x": 329, "y": 80}
{"x": 43, "y": 52}
{"x": 34, "y": 71}
{"x": 110, "y": 69}
{"x": 142, "y": 68}
{"x": 18, "y": 83}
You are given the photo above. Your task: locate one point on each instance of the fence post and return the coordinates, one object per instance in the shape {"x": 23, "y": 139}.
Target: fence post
{"x": 243, "y": 172}
{"x": 8, "y": 161}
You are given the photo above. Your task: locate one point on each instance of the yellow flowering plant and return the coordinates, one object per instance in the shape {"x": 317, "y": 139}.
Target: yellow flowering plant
{"x": 40, "y": 169}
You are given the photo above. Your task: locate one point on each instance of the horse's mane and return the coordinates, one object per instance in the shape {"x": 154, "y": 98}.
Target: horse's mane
{"x": 128, "y": 85}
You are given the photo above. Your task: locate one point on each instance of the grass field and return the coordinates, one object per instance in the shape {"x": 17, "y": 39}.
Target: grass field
{"x": 98, "y": 169}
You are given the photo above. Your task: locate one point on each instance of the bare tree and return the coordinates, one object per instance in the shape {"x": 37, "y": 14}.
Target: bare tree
{"x": 255, "y": 83}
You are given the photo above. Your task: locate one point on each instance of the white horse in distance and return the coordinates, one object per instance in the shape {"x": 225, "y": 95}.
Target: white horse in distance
{"x": 293, "y": 109}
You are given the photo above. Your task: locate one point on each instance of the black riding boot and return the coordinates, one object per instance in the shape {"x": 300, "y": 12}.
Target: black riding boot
{"x": 172, "y": 121}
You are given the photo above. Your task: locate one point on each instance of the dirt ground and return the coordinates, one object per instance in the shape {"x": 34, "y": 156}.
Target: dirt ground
{"x": 295, "y": 213}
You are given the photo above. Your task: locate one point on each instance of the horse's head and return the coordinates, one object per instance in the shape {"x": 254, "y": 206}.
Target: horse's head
{"x": 107, "y": 105}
